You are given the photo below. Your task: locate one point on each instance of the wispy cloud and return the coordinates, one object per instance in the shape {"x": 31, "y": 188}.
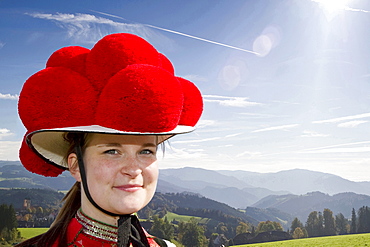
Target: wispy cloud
{"x": 233, "y": 135}
{"x": 177, "y": 153}
{"x": 341, "y": 148}
{"x": 282, "y": 127}
{"x": 205, "y": 123}
{"x": 249, "y": 154}
{"x": 308, "y": 133}
{"x": 9, "y": 96}
{"x": 1, "y": 44}
{"x": 340, "y": 119}
{"x": 184, "y": 34}
{"x": 196, "y": 141}
{"x": 89, "y": 28}
{"x": 351, "y": 124}
{"x": 229, "y": 101}
{"x": 195, "y": 78}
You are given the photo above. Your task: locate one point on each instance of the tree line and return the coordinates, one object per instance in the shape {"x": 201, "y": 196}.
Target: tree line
{"x": 8, "y": 223}
{"x": 192, "y": 233}
{"x": 326, "y": 224}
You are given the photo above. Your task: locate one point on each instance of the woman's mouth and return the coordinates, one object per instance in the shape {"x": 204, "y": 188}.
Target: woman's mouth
{"x": 129, "y": 187}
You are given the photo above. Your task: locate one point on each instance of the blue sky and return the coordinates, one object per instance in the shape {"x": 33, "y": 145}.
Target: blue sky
{"x": 286, "y": 83}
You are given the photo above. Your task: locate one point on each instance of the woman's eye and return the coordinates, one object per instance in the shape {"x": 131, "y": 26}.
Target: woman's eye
{"x": 111, "y": 151}
{"x": 146, "y": 151}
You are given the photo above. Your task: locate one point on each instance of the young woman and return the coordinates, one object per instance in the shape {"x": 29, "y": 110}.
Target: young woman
{"x": 101, "y": 114}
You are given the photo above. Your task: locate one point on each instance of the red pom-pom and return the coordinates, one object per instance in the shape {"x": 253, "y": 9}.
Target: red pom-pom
{"x": 72, "y": 57}
{"x": 56, "y": 97}
{"x": 33, "y": 163}
{"x": 193, "y": 103}
{"x": 113, "y": 53}
{"x": 166, "y": 63}
{"x": 141, "y": 98}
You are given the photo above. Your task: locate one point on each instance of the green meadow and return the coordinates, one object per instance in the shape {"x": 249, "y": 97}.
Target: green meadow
{"x": 172, "y": 216}
{"x": 31, "y": 232}
{"x": 353, "y": 240}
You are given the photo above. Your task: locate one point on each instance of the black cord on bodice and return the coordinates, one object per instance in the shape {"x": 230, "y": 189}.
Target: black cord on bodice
{"x": 129, "y": 228}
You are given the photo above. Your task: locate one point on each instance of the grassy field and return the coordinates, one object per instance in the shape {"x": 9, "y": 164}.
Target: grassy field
{"x": 31, "y": 232}
{"x": 171, "y": 216}
{"x": 353, "y": 240}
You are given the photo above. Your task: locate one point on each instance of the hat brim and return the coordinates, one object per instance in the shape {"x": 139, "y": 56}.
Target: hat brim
{"x": 51, "y": 145}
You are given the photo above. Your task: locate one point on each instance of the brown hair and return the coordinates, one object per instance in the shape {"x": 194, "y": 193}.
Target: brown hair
{"x": 72, "y": 202}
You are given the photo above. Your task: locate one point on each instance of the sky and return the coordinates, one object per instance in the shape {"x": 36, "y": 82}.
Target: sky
{"x": 285, "y": 83}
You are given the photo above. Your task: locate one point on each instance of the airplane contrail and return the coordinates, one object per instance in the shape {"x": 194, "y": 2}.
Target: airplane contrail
{"x": 183, "y": 34}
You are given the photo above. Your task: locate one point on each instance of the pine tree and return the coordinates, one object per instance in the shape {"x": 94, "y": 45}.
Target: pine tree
{"x": 295, "y": 223}
{"x": 191, "y": 234}
{"x": 341, "y": 224}
{"x": 8, "y": 222}
{"x": 329, "y": 223}
{"x": 162, "y": 228}
{"x": 320, "y": 225}
{"x": 363, "y": 220}
{"x": 312, "y": 224}
{"x": 353, "y": 222}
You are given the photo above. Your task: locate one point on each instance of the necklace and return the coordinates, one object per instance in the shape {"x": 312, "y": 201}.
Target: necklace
{"x": 96, "y": 228}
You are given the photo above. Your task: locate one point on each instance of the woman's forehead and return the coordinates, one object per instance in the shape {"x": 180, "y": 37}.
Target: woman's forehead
{"x": 97, "y": 138}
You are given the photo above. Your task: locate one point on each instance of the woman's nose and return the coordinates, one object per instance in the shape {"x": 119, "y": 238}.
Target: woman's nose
{"x": 131, "y": 167}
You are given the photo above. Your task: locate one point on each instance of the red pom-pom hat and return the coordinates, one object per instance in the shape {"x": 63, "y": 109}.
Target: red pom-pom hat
{"x": 121, "y": 86}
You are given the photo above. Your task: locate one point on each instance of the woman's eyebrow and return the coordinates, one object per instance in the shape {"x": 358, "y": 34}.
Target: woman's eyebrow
{"x": 109, "y": 145}
{"x": 113, "y": 144}
{"x": 149, "y": 144}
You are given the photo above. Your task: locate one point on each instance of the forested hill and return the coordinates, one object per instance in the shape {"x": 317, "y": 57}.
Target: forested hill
{"x": 39, "y": 197}
{"x": 14, "y": 175}
{"x": 196, "y": 205}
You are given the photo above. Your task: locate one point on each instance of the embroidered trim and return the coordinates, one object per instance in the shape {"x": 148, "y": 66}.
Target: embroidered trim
{"x": 96, "y": 228}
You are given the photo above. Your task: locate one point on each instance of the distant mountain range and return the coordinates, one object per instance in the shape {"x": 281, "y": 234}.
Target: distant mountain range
{"x": 277, "y": 196}
{"x": 241, "y": 188}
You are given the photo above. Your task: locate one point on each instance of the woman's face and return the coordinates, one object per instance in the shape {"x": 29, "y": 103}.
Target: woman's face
{"x": 121, "y": 172}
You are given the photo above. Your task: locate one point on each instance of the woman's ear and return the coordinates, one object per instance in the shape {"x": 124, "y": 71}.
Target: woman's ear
{"x": 73, "y": 166}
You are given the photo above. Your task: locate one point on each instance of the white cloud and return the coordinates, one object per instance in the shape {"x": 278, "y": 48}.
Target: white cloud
{"x": 5, "y": 133}
{"x": 351, "y": 124}
{"x": 2, "y": 45}
{"x": 229, "y": 101}
{"x": 9, "y": 96}
{"x": 282, "y": 127}
{"x": 340, "y": 119}
{"x": 9, "y": 150}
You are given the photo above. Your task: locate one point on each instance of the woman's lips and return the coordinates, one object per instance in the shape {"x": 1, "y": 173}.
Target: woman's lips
{"x": 129, "y": 187}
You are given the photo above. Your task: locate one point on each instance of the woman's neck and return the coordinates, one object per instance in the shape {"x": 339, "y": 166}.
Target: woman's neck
{"x": 93, "y": 212}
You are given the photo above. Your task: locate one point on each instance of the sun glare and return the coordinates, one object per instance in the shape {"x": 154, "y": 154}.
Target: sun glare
{"x": 333, "y": 5}
{"x": 331, "y": 8}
